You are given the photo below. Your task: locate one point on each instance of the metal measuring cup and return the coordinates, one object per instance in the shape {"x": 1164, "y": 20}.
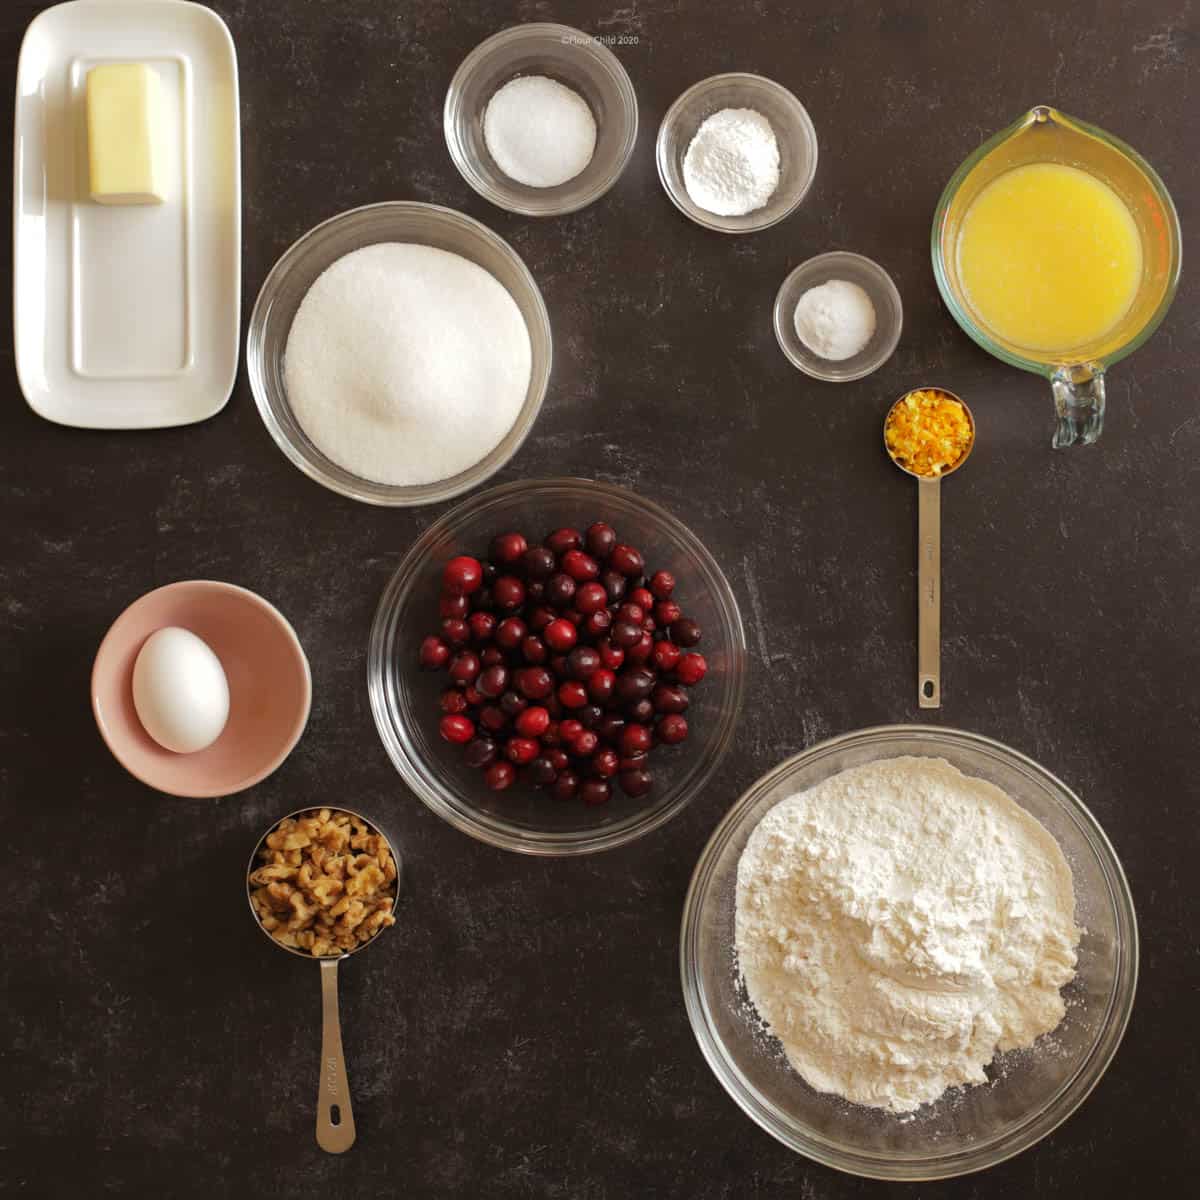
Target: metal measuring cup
{"x": 335, "y": 1115}
{"x": 929, "y": 557}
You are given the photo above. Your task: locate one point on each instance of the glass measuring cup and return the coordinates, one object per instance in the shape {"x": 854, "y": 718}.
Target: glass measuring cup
{"x": 1045, "y": 135}
{"x": 335, "y": 1115}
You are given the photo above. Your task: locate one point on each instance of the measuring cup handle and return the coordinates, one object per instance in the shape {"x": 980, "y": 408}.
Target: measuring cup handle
{"x": 335, "y": 1117}
{"x": 1079, "y": 402}
{"x": 929, "y": 593}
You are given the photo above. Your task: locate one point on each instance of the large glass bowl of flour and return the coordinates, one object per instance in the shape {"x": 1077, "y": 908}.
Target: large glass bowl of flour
{"x": 1029, "y": 1092}
{"x": 292, "y": 277}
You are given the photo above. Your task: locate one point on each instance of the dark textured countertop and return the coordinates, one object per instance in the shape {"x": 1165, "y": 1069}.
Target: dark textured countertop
{"x": 522, "y": 1032}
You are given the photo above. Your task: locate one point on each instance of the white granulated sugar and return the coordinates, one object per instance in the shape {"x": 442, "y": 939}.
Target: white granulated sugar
{"x": 899, "y": 925}
{"x": 539, "y": 131}
{"x": 835, "y": 320}
{"x": 406, "y": 364}
{"x": 731, "y": 167}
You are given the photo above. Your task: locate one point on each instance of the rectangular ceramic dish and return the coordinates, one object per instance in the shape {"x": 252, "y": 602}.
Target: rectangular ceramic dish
{"x": 127, "y": 318}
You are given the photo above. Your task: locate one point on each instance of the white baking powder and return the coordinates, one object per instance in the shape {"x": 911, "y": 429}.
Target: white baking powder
{"x": 406, "y": 364}
{"x": 539, "y": 131}
{"x": 731, "y": 167}
{"x": 898, "y": 925}
{"x": 835, "y": 320}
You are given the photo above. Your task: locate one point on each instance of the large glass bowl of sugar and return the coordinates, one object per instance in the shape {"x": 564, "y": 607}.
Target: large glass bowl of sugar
{"x": 304, "y": 262}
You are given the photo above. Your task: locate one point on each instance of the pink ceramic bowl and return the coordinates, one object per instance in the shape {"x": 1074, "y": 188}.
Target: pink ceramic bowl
{"x": 270, "y": 688}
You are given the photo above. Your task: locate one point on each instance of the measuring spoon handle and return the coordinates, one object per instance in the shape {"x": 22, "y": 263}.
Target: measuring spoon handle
{"x": 335, "y": 1117}
{"x": 929, "y": 593}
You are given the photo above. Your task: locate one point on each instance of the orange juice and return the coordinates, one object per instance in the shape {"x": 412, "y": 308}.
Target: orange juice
{"x": 1049, "y": 257}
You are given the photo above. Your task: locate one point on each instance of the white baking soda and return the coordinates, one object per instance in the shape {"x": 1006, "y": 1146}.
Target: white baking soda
{"x": 406, "y": 364}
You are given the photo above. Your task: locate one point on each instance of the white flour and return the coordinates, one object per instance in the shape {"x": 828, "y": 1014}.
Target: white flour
{"x": 406, "y": 364}
{"x": 901, "y": 923}
{"x": 731, "y": 167}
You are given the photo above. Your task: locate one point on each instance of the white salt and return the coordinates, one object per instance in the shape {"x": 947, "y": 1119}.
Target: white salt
{"x": 406, "y": 364}
{"x": 539, "y": 131}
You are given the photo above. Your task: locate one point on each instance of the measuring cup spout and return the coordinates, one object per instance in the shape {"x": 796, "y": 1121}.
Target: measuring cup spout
{"x": 1079, "y": 403}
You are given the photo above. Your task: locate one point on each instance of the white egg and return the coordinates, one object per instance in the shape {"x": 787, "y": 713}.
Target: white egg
{"x": 180, "y": 691}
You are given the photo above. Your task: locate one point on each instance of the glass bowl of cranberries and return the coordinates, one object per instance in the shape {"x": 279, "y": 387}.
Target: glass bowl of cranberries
{"x": 556, "y": 667}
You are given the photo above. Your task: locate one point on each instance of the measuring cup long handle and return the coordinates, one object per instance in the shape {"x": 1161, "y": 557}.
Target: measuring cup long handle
{"x": 335, "y": 1117}
{"x": 929, "y": 593}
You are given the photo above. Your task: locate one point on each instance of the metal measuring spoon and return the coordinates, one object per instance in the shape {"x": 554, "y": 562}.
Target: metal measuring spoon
{"x": 929, "y": 558}
{"x": 335, "y": 1116}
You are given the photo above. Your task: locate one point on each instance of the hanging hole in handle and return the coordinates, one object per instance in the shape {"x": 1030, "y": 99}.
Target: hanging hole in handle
{"x": 335, "y": 1115}
{"x": 927, "y": 690}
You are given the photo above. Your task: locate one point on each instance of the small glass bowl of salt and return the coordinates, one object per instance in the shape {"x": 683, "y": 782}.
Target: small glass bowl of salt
{"x": 863, "y": 341}
{"x": 534, "y": 127}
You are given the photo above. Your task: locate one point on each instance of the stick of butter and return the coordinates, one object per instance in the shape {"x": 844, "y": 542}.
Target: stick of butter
{"x": 126, "y": 135}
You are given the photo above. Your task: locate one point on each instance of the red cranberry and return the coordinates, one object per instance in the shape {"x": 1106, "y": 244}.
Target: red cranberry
{"x": 635, "y": 614}
{"x": 493, "y": 681}
{"x": 534, "y": 683}
{"x": 508, "y": 548}
{"x": 533, "y": 650}
{"x": 472, "y": 695}
{"x": 636, "y": 783}
{"x": 574, "y": 616}
{"x": 453, "y": 702}
{"x": 462, "y": 575}
{"x": 509, "y": 633}
{"x": 552, "y": 737}
{"x": 553, "y": 707}
{"x": 672, "y": 730}
{"x": 569, "y": 730}
{"x": 483, "y": 626}
{"x": 512, "y": 704}
{"x": 520, "y": 750}
{"x": 591, "y": 715}
{"x": 642, "y": 598}
{"x": 453, "y": 606}
{"x": 667, "y": 612}
{"x": 566, "y": 786}
{"x": 690, "y": 670}
{"x": 533, "y": 722}
{"x": 610, "y": 727}
{"x": 583, "y": 661}
{"x": 641, "y": 711}
{"x": 598, "y": 624}
{"x": 627, "y": 560}
{"x": 560, "y": 635}
{"x": 636, "y": 739}
{"x": 642, "y": 649}
{"x": 459, "y": 730}
{"x": 500, "y": 775}
{"x": 614, "y": 585}
{"x": 662, "y": 584}
{"x": 572, "y": 694}
{"x": 581, "y": 567}
{"x": 558, "y": 664}
{"x": 508, "y": 593}
{"x": 539, "y": 562}
{"x": 542, "y": 772}
{"x": 685, "y": 632}
{"x": 456, "y": 631}
{"x": 612, "y": 656}
{"x": 491, "y": 656}
{"x": 665, "y": 655}
{"x": 591, "y": 598}
{"x": 601, "y": 539}
{"x": 625, "y": 634}
{"x": 635, "y": 762}
{"x": 464, "y": 667}
{"x": 595, "y": 791}
{"x": 605, "y": 763}
{"x": 584, "y": 744}
{"x": 434, "y": 654}
{"x": 667, "y": 698}
{"x": 563, "y": 540}
{"x": 558, "y": 759}
{"x": 481, "y": 752}
{"x": 540, "y": 618}
{"x": 493, "y": 718}
{"x": 634, "y": 684}
{"x": 560, "y": 590}
{"x": 601, "y": 683}
{"x": 535, "y": 591}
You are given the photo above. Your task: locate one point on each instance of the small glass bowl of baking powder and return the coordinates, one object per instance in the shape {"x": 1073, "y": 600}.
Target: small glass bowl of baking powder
{"x": 578, "y": 61}
{"x": 1029, "y": 1092}
{"x": 793, "y": 130}
{"x": 884, "y": 297}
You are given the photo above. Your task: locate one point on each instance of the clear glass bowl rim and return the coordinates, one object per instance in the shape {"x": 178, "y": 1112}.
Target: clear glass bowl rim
{"x": 368, "y": 491}
{"x": 512, "y": 35}
{"x": 963, "y": 318}
{"x": 497, "y": 832}
{"x": 1039, "y": 1124}
{"x": 749, "y": 79}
